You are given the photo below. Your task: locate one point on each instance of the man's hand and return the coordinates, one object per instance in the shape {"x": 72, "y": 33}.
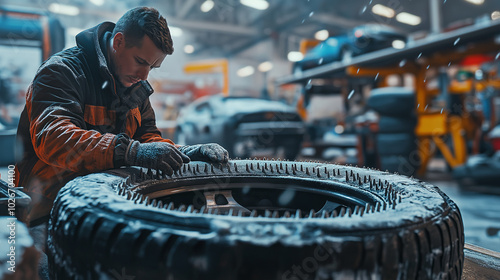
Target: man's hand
{"x": 206, "y": 152}
{"x": 157, "y": 155}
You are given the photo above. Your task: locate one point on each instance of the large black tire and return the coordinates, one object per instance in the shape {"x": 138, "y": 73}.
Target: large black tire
{"x": 103, "y": 226}
{"x": 393, "y": 101}
{"x": 396, "y": 144}
{"x": 388, "y": 124}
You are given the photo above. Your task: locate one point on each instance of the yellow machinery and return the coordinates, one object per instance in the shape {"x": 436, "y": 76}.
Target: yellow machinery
{"x": 434, "y": 126}
{"x": 209, "y": 67}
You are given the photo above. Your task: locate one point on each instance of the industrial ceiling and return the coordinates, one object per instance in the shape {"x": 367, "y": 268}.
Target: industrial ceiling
{"x": 229, "y": 27}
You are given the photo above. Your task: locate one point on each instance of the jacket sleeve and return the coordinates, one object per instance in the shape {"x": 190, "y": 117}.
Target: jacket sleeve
{"x": 55, "y": 108}
{"x": 148, "y": 132}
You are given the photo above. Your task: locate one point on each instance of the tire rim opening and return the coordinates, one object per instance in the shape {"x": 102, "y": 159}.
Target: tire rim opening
{"x": 269, "y": 197}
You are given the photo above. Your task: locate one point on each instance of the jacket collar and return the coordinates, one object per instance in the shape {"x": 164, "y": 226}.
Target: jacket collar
{"x": 91, "y": 42}
{"x": 136, "y": 94}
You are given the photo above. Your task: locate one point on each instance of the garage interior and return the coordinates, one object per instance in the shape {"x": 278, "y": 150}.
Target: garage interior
{"x": 407, "y": 87}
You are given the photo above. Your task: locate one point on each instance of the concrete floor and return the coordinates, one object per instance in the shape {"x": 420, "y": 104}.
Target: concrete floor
{"x": 479, "y": 205}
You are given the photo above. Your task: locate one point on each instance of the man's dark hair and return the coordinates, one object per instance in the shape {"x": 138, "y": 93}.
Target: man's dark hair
{"x": 141, "y": 21}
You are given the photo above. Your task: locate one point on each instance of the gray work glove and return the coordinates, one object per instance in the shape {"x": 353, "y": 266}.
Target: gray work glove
{"x": 206, "y": 152}
{"x": 157, "y": 155}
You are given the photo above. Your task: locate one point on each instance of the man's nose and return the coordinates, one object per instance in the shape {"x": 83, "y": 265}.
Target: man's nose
{"x": 143, "y": 73}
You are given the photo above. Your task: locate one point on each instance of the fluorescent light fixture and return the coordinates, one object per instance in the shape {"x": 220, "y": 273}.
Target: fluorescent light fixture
{"x": 256, "y": 4}
{"x": 188, "y": 49}
{"x": 408, "y": 18}
{"x": 495, "y": 15}
{"x": 398, "y": 44}
{"x": 295, "y": 56}
{"x": 321, "y": 35}
{"x": 97, "y": 2}
{"x": 476, "y": 2}
{"x": 175, "y": 31}
{"x": 207, "y": 6}
{"x": 64, "y": 9}
{"x": 384, "y": 11}
{"x": 245, "y": 71}
{"x": 265, "y": 66}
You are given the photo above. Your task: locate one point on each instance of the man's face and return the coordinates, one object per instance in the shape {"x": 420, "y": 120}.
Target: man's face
{"x": 132, "y": 65}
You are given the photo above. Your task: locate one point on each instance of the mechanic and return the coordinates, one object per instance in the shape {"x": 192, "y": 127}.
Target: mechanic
{"x": 88, "y": 109}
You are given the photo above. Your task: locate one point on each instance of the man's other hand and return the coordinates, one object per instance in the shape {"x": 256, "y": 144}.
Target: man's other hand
{"x": 206, "y": 152}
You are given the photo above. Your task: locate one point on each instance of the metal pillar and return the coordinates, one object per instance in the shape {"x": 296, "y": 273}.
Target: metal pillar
{"x": 435, "y": 16}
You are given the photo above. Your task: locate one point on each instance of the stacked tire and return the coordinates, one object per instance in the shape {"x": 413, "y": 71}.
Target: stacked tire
{"x": 396, "y": 141}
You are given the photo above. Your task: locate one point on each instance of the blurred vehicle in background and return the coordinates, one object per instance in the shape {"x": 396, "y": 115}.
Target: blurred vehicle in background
{"x": 245, "y": 126}
{"x": 362, "y": 39}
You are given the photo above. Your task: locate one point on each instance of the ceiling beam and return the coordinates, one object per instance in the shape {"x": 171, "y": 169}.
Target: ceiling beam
{"x": 186, "y": 8}
{"x": 336, "y": 20}
{"x": 284, "y": 23}
{"x": 191, "y": 24}
{"x": 214, "y": 27}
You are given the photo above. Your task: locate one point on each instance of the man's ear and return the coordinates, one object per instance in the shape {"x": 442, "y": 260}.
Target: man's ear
{"x": 118, "y": 41}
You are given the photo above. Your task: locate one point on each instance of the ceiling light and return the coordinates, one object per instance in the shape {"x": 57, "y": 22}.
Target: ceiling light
{"x": 188, "y": 49}
{"x": 245, "y": 71}
{"x": 295, "y": 56}
{"x": 384, "y": 11}
{"x": 495, "y": 15}
{"x": 175, "y": 31}
{"x": 265, "y": 66}
{"x": 64, "y": 9}
{"x": 207, "y": 6}
{"x": 256, "y": 4}
{"x": 97, "y": 2}
{"x": 476, "y": 2}
{"x": 321, "y": 35}
{"x": 398, "y": 44}
{"x": 408, "y": 18}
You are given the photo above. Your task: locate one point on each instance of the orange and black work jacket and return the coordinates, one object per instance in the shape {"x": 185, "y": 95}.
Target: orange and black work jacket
{"x": 78, "y": 119}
